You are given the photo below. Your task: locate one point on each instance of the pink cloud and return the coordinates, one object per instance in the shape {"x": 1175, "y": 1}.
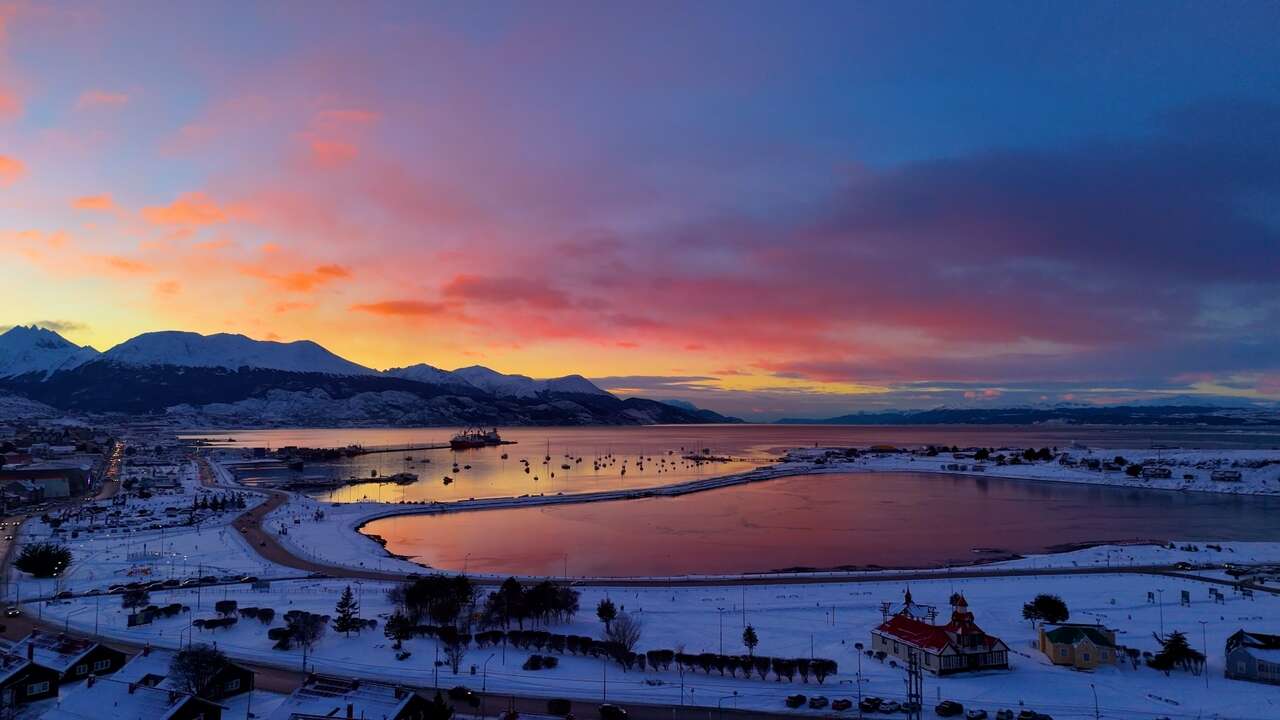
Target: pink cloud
{"x": 11, "y": 169}
{"x": 101, "y": 98}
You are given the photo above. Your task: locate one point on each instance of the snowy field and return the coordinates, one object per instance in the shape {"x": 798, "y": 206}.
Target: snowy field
{"x": 791, "y": 621}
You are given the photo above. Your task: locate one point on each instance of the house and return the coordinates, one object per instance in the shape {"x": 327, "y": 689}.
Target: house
{"x": 22, "y": 681}
{"x": 1080, "y": 646}
{"x": 1254, "y": 657}
{"x": 72, "y": 658}
{"x": 151, "y": 668}
{"x": 101, "y": 698}
{"x": 958, "y": 646}
{"x": 1226, "y": 476}
{"x": 327, "y": 696}
{"x": 1153, "y": 472}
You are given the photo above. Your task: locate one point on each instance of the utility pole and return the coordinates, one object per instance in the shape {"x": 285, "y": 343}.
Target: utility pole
{"x": 1204, "y": 638}
{"x": 721, "y": 613}
{"x": 1096, "y": 714}
{"x": 915, "y": 686}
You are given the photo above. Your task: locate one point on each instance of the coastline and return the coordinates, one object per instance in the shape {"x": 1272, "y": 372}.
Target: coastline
{"x": 351, "y": 518}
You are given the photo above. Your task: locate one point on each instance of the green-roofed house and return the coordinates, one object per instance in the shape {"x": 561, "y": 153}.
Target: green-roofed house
{"x": 1081, "y": 646}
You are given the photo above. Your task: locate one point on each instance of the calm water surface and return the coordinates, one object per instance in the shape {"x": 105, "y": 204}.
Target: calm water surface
{"x": 821, "y": 521}
{"x": 749, "y": 445}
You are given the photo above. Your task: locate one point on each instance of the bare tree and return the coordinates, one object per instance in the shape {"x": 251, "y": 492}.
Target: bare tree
{"x": 624, "y": 632}
{"x": 195, "y": 667}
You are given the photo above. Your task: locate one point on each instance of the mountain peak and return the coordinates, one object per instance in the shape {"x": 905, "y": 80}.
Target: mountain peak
{"x": 33, "y": 349}
{"x": 232, "y": 351}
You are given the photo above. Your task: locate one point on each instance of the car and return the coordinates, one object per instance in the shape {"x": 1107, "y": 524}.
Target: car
{"x": 609, "y": 711}
{"x": 890, "y": 706}
{"x": 8, "y": 537}
{"x": 318, "y": 576}
{"x": 976, "y": 715}
{"x": 208, "y": 579}
{"x": 1005, "y": 714}
{"x": 817, "y": 702}
{"x": 12, "y": 611}
{"x": 910, "y": 707}
{"x": 949, "y": 708}
{"x": 1028, "y": 715}
{"x": 249, "y": 579}
{"x": 170, "y": 583}
{"x": 795, "y": 701}
{"x": 462, "y": 693}
{"x": 189, "y": 582}
{"x": 116, "y": 588}
{"x": 1184, "y": 565}
{"x": 841, "y": 704}
{"x": 559, "y": 707}
{"x": 244, "y": 530}
{"x": 64, "y": 595}
{"x": 869, "y": 704}
{"x": 94, "y": 591}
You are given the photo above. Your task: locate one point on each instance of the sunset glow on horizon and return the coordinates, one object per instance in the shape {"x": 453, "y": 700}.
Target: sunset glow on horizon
{"x": 763, "y": 211}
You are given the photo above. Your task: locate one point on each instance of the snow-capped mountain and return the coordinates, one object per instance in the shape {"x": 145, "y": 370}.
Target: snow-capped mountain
{"x": 523, "y": 386}
{"x": 32, "y": 349}
{"x": 223, "y": 350}
{"x": 425, "y": 373}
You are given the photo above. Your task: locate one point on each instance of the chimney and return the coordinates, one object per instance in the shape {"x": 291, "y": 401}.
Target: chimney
{"x": 31, "y": 651}
{"x": 146, "y": 650}
{"x": 91, "y": 680}
{"x": 351, "y": 711}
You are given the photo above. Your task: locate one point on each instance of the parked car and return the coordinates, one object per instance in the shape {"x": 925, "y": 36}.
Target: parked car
{"x": 817, "y": 702}
{"x": 1028, "y": 715}
{"x": 559, "y": 707}
{"x": 869, "y": 704}
{"x": 949, "y": 708}
{"x": 462, "y": 693}
{"x": 795, "y": 701}
{"x": 1005, "y": 714}
{"x": 841, "y": 704}
{"x": 12, "y": 611}
{"x": 612, "y": 712}
{"x": 890, "y": 706}
{"x": 249, "y": 579}
{"x": 976, "y": 715}
{"x": 64, "y": 595}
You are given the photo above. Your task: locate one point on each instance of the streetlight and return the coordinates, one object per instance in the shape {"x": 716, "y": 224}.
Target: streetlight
{"x": 1160, "y": 592}
{"x": 484, "y": 673}
{"x": 858, "y": 646}
{"x": 1096, "y": 715}
{"x": 1204, "y": 638}
{"x": 720, "y": 703}
{"x": 721, "y": 614}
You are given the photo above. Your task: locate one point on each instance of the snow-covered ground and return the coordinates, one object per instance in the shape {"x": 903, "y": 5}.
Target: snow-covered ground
{"x": 791, "y": 621}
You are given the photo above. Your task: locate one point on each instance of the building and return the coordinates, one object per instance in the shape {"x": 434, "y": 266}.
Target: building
{"x": 958, "y": 646}
{"x": 1083, "y": 647}
{"x": 326, "y": 696}
{"x": 1154, "y": 472}
{"x": 1254, "y": 657}
{"x": 22, "y": 681}
{"x": 1226, "y": 475}
{"x": 72, "y": 658}
{"x": 151, "y": 668}
{"x": 101, "y": 698}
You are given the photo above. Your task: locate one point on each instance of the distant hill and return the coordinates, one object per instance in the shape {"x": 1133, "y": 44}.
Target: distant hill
{"x": 222, "y": 379}
{"x": 1073, "y": 414}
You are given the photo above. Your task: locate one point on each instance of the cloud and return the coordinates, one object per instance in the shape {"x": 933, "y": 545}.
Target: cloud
{"x": 101, "y": 98}
{"x": 510, "y": 289}
{"x": 408, "y": 308}
{"x": 10, "y": 105}
{"x": 11, "y": 169}
{"x": 126, "y": 265}
{"x": 94, "y": 202}
{"x": 193, "y": 209}
{"x": 59, "y": 326}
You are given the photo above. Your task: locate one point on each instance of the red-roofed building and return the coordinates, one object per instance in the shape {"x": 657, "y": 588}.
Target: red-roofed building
{"x": 958, "y": 646}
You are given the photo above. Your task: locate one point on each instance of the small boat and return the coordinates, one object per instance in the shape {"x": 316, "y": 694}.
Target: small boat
{"x": 447, "y": 480}
{"x": 564, "y": 466}
{"x": 403, "y": 478}
{"x": 504, "y": 456}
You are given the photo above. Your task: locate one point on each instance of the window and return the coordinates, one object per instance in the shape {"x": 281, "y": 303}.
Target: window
{"x": 1062, "y": 652}
{"x": 101, "y": 664}
{"x": 37, "y": 688}
{"x": 1087, "y": 657}
{"x": 82, "y": 668}
{"x": 1240, "y": 667}
{"x": 233, "y": 684}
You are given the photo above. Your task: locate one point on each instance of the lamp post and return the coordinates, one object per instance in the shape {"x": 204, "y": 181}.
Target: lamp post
{"x": 1096, "y": 715}
{"x": 858, "y": 647}
{"x": 721, "y": 614}
{"x": 484, "y": 673}
{"x": 720, "y": 703}
{"x": 1204, "y": 638}
{"x": 1160, "y": 593}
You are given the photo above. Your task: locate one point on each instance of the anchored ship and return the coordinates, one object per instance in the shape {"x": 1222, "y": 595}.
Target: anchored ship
{"x": 474, "y": 437}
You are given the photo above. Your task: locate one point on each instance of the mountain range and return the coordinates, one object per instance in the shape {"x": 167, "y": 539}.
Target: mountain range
{"x": 225, "y": 380}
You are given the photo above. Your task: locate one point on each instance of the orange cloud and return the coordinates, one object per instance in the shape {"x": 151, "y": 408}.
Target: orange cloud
{"x": 11, "y": 169}
{"x": 9, "y": 104}
{"x": 126, "y": 265}
{"x": 352, "y": 116}
{"x": 301, "y": 281}
{"x": 401, "y": 307}
{"x": 189, "y": 209}
{"x": 167, "y": 287}
{"x": 328, "y": 153}
{"x": 101, "y": 98}
{"x": 94, "y": 202}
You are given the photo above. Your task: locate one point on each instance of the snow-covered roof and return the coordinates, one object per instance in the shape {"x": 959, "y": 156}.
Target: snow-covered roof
{"x": 119, "y": 700}
{"x": 58, "y": 652}
{"x": 327, "y": 696}
{"x": 10, "y": 664}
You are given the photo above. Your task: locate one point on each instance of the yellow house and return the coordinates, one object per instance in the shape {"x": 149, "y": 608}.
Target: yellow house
{"x": 1080, "y": 646}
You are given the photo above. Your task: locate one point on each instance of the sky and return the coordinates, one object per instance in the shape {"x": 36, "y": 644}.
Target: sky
{"x": 769, "y": 209}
